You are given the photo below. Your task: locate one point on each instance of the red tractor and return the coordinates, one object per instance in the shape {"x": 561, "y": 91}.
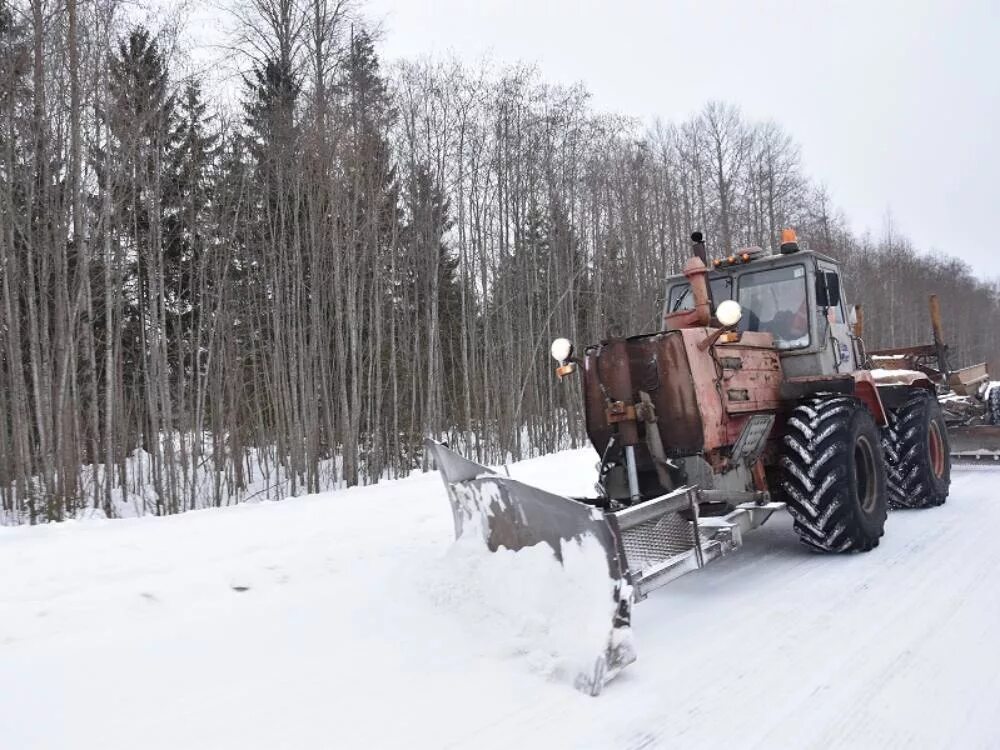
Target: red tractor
{"x": 756, "y": 396}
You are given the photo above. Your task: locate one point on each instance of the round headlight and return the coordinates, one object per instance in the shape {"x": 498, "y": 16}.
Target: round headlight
{"x": 729, "y": 313}
{"x": 561, "y": 350}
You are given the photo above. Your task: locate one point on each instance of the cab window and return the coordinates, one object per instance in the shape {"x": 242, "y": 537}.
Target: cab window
{"x": 838, "y": 313}
{"x": 681, "y": 298}
{"x": 776, "y": 301}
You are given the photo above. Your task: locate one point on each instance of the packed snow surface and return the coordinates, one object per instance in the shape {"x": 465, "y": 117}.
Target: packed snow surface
{"x": 353, "y": 619}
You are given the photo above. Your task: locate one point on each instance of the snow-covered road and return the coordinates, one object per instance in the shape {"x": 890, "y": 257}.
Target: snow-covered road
{"x": 340, "y": 621}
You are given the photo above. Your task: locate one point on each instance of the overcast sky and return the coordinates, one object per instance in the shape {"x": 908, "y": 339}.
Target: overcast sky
{"x": 896, "y": 104}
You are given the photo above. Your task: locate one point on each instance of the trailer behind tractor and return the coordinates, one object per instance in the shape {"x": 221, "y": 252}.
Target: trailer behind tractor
{"x": 969, "y": 398}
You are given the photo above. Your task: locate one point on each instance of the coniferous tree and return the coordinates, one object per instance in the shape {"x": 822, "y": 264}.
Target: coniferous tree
{"x": 436, "y": 297}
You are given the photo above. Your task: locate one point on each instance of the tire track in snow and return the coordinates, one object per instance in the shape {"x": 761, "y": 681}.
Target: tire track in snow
{"x": 796, "y": 649}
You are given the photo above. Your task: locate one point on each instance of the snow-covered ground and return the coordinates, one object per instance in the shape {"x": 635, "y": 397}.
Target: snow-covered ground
{"x": 350, "y": 619}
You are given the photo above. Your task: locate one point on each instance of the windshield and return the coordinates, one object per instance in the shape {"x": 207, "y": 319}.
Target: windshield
{"x": 682, "y": 299}
{"x": 775, "y": 301}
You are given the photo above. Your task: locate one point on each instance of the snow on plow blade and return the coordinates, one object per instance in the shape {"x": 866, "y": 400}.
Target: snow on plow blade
{"x": 975, "y": 444}
{"x": 506, "y": 513}
{"x": 645, "y": 546}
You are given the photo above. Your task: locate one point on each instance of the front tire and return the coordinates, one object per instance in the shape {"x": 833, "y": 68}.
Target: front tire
{"x": 832, "y": 475}
{"x": 917, "y": 453}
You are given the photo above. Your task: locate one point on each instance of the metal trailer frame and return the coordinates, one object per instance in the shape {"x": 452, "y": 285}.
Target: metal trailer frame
{"x": 971, "y": 437}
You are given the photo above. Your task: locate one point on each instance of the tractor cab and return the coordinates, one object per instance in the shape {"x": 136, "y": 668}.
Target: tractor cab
{"x": 795, "y": 295}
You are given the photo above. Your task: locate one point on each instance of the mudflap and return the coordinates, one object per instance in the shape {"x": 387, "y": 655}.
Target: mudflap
{"x": 507, "y": 513}
{"x": 975, "y": 444}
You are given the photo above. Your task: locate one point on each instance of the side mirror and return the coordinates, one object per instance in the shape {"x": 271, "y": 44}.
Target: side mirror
{"x": 827, "y": 289}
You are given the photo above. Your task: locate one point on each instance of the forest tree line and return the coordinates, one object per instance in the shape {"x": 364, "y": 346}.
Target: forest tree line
{"x": 201, "y": 304}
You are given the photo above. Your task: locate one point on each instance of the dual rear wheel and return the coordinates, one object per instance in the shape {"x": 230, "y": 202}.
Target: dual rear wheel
{"x": 917, "y": 453}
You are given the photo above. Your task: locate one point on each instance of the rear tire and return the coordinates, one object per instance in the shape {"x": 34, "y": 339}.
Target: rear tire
{"x": 993, "y": 405}
{"x": 917, "y": 454}
{"x": 832, "y": 475}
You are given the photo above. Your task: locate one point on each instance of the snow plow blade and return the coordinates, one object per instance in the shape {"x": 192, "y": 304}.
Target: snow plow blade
{"x": 509, "y": 514}
{"x": 976, "y": 444}
{"x": 645, "y": 546}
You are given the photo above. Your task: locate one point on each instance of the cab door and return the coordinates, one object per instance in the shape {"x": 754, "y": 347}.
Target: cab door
{"x": 830, "y": 300}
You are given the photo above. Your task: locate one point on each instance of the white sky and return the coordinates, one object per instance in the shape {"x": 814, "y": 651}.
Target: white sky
{"x": 896, "y": 104}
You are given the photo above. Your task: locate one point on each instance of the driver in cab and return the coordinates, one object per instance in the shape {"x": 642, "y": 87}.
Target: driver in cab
{"x": 791, "y": 322}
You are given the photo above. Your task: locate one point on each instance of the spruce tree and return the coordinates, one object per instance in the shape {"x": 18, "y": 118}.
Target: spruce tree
{"x": 187, "y": 199}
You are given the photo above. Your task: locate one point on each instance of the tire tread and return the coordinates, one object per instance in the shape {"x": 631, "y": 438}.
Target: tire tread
{"x": 993, "y": 405}
{"x": 814, "y": 482}
{"x": 903, "y": 446}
